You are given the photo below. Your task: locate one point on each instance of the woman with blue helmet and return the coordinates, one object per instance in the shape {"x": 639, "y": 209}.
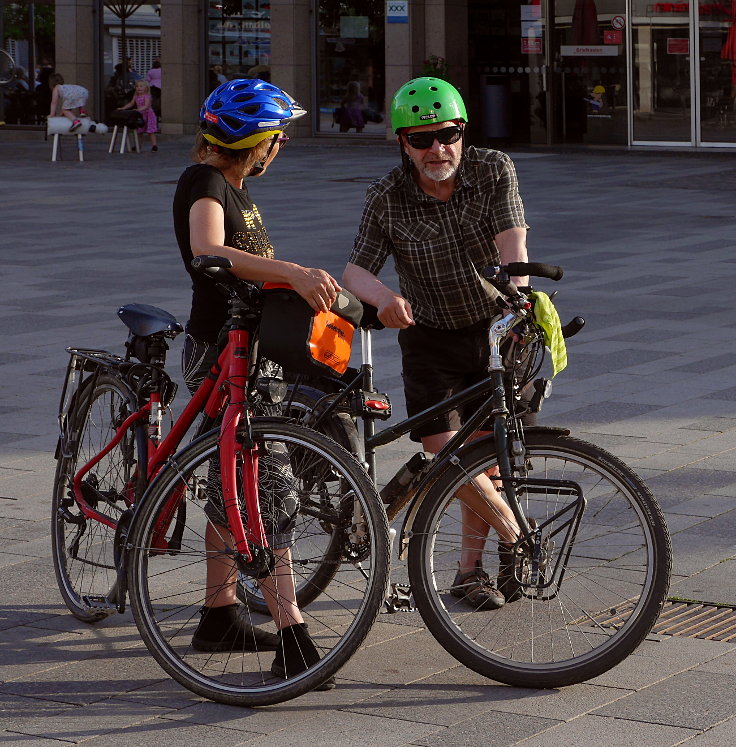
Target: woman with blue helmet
{"x": 242, "y": 131}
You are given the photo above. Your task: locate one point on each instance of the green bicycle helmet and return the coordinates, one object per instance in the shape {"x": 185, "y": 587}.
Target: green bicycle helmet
{"x": 423, "y": 101}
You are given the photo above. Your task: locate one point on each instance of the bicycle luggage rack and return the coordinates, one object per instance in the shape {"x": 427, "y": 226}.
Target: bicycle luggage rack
{"x": 546, "y": 585}
{"x": 81, "y": 361}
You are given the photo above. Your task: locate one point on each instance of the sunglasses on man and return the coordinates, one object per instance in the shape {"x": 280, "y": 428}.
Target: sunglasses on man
{"x": 424, "y": 140}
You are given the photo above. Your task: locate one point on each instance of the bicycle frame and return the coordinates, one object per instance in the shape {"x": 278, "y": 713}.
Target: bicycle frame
{"x": 494, "y": 406}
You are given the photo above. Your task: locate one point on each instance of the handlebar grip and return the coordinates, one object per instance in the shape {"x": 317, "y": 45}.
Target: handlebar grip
{"x": 537, "y": 269}
{"x": 573, "y": 327}
{"x": 204, "y": 262}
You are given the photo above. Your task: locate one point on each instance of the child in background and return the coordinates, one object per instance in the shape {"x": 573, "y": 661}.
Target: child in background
{"x": 68, "y": 100}
{"x": 143, "y": 103}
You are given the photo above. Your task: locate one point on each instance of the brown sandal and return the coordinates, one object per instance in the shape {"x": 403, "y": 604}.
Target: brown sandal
{"x": 474, "y": 587}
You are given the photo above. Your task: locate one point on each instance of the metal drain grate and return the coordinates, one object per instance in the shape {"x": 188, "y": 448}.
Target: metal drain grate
{"x": 697, "y": 620}
{"x": 711, "y": 622}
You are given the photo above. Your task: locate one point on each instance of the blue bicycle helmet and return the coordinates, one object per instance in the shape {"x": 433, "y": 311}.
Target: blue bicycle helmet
{"x": 242, "y": 112}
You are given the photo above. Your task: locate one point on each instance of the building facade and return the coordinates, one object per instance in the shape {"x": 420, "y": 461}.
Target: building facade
{"x": 546, "y": 72}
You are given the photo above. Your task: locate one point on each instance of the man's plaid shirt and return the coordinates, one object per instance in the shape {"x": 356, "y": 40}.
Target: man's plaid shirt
{"x": 440, "y": 248}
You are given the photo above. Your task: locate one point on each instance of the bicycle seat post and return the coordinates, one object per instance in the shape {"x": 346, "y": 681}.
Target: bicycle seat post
{"x": 369, "y": 424}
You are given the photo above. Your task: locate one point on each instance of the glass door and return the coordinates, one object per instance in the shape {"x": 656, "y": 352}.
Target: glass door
{"x": 717, "y": 71}
{"x": 661, "y": 67}
{"x": 590, "y": 71}
{"x": 508, "y": 47}
{"x": 350, "y": 60}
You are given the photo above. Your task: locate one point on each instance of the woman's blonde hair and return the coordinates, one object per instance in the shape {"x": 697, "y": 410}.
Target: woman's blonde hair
{"x": 244, "y": 157}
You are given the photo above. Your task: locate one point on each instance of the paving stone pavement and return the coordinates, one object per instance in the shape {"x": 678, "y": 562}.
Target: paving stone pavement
{"x": 648, "y": 243}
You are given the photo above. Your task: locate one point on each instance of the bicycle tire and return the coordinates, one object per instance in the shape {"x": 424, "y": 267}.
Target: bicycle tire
{"x": 166, "y": 591}
{"x": 84, "y": 550}
{"x": 616, "y": 575}
{"x": 341, "y": 429}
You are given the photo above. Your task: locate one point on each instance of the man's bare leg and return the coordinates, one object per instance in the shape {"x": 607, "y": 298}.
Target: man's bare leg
{"x": 482, "y": 507}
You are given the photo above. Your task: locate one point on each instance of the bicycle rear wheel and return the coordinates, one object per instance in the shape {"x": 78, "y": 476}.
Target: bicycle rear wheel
{"x": 84, "y": 550}
{"x": 167, "y": 587}
{"x": 595, "y": 594}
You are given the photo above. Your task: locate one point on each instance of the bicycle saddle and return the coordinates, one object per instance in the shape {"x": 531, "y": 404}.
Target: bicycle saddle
{"x": 144, "y": 320}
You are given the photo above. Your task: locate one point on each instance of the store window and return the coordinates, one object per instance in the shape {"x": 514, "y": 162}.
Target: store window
{"x": 718, "y": 71}
{"x": 131, "y": 32}
{"x": 27, "y": 34}
{"x": 350, "y": 62}
{"x": 238, "y": 40}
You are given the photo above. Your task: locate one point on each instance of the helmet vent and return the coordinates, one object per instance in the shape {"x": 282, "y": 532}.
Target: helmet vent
{"x": 437, "y": 105}
{"x": 433, "y": 88}
{"x": 231, "y": 122}
{"x": 415, "y": 109}
{"x": 241, "y": 98}
{"x": 250, "y": 109}
{"x": 217, "y": 105}
{"x": 412, "y": 92}
{"x": 281, "y": 103}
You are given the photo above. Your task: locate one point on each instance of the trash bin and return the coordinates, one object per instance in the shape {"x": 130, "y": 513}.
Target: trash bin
{"x": 496, "y": 100}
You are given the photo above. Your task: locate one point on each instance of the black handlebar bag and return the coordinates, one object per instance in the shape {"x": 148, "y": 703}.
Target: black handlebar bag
{"x": 305, "y": 341}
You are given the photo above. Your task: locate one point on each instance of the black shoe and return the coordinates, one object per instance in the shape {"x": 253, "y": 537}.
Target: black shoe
{"x": 476, "y": 590}
{"x": 223, "y": 629}
{"x": 297, "y": 652}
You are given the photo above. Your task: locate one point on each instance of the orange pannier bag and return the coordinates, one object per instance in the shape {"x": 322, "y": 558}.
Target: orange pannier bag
{"x": 305, "y": 341}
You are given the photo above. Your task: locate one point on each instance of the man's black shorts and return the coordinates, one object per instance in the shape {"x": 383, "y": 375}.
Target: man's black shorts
{"x": 438, "y": 363}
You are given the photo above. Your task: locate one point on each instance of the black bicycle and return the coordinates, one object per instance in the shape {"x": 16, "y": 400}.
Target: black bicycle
{"x": 590, "y": 569}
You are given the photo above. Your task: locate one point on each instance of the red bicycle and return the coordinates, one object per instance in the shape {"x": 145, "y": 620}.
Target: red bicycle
{"x": 132, "y": 515}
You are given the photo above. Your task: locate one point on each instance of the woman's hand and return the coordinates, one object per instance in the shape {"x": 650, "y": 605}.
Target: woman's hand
{"x": 317, "y": 287}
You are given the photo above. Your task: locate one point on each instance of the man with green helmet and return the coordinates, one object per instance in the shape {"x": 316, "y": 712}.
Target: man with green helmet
{"x": 446, "y": 213}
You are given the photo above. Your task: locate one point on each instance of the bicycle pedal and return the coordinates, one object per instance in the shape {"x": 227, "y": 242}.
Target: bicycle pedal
{"x": 98, "y": 603}
{"x": 399, "y": 600}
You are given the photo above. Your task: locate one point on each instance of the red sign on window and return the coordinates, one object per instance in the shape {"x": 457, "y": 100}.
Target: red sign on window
{"x": 613, "y": 36}
{"x": 531, "y": 46}
{"x": 678, "y": 46}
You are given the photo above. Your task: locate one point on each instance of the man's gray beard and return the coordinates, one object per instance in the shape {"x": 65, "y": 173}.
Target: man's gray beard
{"x": 440, "y": 174}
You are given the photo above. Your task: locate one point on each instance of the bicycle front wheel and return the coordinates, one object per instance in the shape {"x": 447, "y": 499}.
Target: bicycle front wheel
{"x": 317, "y": 537}
{"x": 85, "y": 551}
{"x": 167, "y": 574}
{"x": 589, "y": 595}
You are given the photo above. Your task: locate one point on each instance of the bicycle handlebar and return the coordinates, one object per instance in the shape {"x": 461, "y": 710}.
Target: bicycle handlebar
{"x": 537, "y": 269}
{"x": 573, "y": 327}
{"x": 218, "y": 268}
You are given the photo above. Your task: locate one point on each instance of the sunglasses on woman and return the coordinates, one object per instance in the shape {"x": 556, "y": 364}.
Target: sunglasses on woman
{"x": 424, "y": 140}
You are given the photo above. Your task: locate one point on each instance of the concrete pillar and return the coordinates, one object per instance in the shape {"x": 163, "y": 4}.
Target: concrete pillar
{"x": 405, "y": 45}
{"x": 181, "y": 58}
{"x": 291, "y": 55}
{"x": 75, "y": 53}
